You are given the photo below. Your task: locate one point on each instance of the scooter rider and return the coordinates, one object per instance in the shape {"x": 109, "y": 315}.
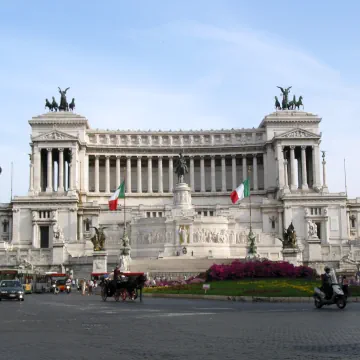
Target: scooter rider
{"x": 327, "y": 283}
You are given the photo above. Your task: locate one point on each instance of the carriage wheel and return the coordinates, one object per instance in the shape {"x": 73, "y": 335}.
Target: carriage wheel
{"x": 117, "y": 296}
{"x": 123, "y": 294}
{"x": 104, "y": 294}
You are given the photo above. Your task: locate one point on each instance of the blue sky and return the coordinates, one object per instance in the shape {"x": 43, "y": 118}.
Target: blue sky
{"x": 180, "y": 64}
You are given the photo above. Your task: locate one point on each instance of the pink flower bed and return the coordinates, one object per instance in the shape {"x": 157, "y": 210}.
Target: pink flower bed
{"x": 258, "y": 269}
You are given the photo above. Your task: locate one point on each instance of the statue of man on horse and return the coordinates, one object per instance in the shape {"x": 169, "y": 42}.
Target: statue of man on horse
{"x": 181, "y": 168}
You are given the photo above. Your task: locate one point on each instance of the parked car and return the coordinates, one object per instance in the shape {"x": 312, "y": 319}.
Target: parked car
{"x": 11, "y": 290}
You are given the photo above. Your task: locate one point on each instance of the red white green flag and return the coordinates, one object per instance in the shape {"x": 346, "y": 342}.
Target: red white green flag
{"x": 118, "y": 194}
{"x": 242, "y": 191}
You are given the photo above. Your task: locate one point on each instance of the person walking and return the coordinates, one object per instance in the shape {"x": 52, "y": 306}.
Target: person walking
{"x": 90, "y": 285}
{"x": 83, "y": 287}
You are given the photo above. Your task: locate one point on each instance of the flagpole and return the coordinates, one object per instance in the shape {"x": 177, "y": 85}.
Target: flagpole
{"x": 11, "y": 186}
{"x": 124, "y": 201}
{"x": 249, "y": 170}
{"x": 346, "y": 192}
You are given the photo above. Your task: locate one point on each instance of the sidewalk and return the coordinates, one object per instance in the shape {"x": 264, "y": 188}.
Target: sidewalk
{"x": 240, "y": 298}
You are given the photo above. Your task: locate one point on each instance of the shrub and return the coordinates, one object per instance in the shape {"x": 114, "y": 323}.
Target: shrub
{"x": 258, "y": 269}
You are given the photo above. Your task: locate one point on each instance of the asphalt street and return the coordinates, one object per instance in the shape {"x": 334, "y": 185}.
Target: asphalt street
{"x": 78, "y": 327}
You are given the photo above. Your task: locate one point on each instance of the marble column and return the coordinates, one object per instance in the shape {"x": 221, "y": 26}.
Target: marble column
{"x": 213, "y": 174}
{"x": 316, "y": 167}
{"x": 192, "y": 174}
{"x": 325, "y": 187}
{"x": 202, "y": 173}
{"x": 244, "y": 168}
{"x": 286, "y": 184}
{"x": 96, "y": 173}
{"x": 37, "y": 169}
{"x": 61, "y": 170}
{"x": 85, "y": 170}
{"x": 304, "y": 184}
{"x": 223, "y": 173}
{"x": 150, "y": 189}
{"x": 233, "y": 169}
{"x": 255, "y": 172}
{"x": 107, "y": 173}
{"x": 49, "y": 171}
{"x": 118, "y": 175}
{"x": 139, "y": 179}
{"x": 171, "y": 174}
{"x": 128, "y": 174}
{"x": 81, "y": 231}
{"x": 31, "y": 180}
{"x": 160, "y": 175}
{"x": 34, "y": 235}
{"x": 280, "y": 165}
{"x": 292, "y": 166}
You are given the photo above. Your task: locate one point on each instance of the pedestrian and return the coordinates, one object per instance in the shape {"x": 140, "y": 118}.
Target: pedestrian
{"x": 90, "y": 285}
{"x": 345, "y": 286}
{"x": 83, "y": 287}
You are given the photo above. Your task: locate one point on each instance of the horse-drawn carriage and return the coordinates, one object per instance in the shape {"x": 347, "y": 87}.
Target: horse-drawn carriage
{"x": 128, "y": 286}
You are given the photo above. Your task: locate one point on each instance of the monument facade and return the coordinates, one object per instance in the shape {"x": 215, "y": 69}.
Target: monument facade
{"x": 178, "y": 218}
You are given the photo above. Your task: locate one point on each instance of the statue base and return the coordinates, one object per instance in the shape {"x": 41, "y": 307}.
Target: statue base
{"x": 292, "y": 256}
{"x": 182, "y": 196}
{"x": 125, "y": 263}
{"x": 58, "y": 253}
{"x": 100, "y": 261}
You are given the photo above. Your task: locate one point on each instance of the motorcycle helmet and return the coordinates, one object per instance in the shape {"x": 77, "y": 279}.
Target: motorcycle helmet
{"x": 327, "y": 269}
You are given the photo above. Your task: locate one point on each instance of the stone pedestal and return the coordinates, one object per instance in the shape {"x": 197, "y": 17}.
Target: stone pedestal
{"x": 125, "y": 263}
{"x": 100, "y": 261}
{"x": 314, "y": 249}
{"x": 292, "y": 256}
{"x": 182, "y": 196}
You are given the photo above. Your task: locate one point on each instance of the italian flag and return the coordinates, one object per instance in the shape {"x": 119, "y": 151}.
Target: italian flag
{"x": 118, "y": 194}
{"x": 242, "y": 191}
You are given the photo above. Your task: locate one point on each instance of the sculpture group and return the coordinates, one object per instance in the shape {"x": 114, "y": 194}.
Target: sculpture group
{"x": 289, "y": 237}
{"x": 285, "y": 103}
{"x": 99, "y": 238}
{"x": 64, "y": 106}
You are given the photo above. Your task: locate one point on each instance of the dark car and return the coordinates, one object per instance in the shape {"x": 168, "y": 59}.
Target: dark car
{"x": 11, "y": 290}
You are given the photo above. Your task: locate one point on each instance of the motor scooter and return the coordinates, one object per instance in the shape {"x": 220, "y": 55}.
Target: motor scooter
{"x": 68, "y": 289}
{"x": 338, "y": 297}
{"x": 55, "y": 289}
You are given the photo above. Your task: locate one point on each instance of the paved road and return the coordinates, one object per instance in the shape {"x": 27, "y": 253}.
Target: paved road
{"x": 83, "y": 327}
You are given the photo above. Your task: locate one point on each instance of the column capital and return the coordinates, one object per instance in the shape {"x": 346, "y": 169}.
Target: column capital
{"x": 202, "y": 157}
{"x": 303, "y": 147}
{"x": 212, "y": 156}
{"x": 170, "y": 157}
{"x": 49, "y": 149}
{"x": 233, "y": 156}
{"x": 160, "y": 157}
{"x": 128, "y": 157}
{"x": 118, "y": 157}
{"x": 61, "y": 149}
{"x": 107, "y": 156}
{"x": 254, "y": 155}
{"x": 97, "y": 156}
{"x": 139, "y": 157}
{"x": 149, "y": 157}
{"x": 292, "y": 147}
{"x": 191, "y": 157}
{"x": 222, "y": 156}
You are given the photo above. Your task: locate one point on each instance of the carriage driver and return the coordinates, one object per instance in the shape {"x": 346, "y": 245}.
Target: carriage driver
{"x": 116, "y": 274}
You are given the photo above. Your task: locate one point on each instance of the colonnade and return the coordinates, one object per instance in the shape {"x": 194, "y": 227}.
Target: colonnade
{"x": 217, "y": 184}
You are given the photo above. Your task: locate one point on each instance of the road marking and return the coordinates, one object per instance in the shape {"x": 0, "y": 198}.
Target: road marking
{"x": 214, "y": 308}
{"x": 174, "y": 315}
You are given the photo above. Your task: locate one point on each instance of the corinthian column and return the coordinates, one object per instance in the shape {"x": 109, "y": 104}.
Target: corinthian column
{"x": 160, "y": 175}
{"x": 292, "y": 165}
{"x": 255, "y": 172}
{"x": 37, "y": 170}
{"x": 31, "y": 180}
{"x": 304, "y": 184}
{"x": 202, "y": 174}
{"x": 213, "y": 179}
{"x": 96, "y": 173}
{"x": 150, "y": 189}
{"x": 49, "y": 171}
{"x": 171, "y": 174}
{"x": 117, "y": 175}
{"x": 244, "y": 168}
{"x": 128, "y": 174}
{"x": 233, "y": 170}
{"x": 107, "y": 173}
{"x": 192, "y": 176}
{"x": 139, "y": 182}
{"x": 223, "y": 173}
{"x": 61, "y": 170}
